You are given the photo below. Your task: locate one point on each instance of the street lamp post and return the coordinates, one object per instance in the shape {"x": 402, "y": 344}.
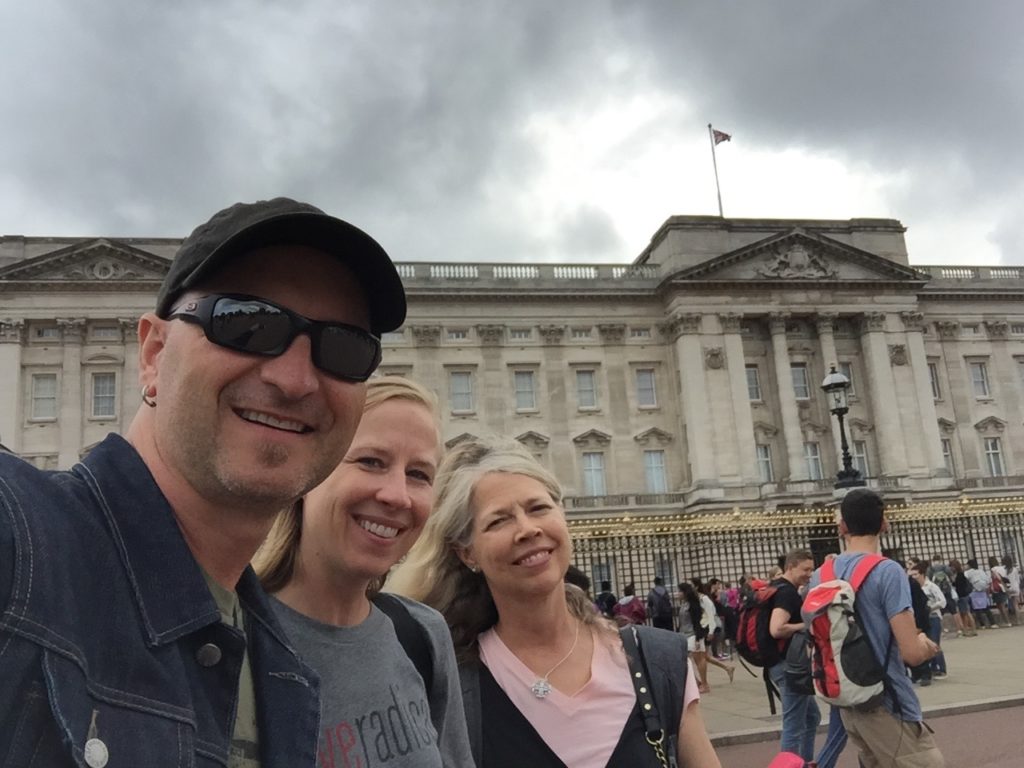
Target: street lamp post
{"x": 835, "y": 386}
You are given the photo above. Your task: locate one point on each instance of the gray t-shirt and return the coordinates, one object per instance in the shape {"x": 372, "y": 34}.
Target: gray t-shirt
{"x": 884, "y": 594}
{"x": 374, "y": 710}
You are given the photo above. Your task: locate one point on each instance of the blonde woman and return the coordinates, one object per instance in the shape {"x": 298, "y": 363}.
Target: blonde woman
{"x": 546, "y": 681}
{"x": 388, "y": 682}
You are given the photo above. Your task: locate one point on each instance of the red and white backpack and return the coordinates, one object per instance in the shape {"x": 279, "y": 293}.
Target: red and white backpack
{"x": 845, "y": 670}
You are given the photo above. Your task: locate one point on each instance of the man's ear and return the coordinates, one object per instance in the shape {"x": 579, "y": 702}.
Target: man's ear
{"x": 152, "y": 339}
{"x": 843, "y": 530}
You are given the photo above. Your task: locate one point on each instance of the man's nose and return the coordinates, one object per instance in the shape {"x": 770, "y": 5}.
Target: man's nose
{"x": 292, "y": 372}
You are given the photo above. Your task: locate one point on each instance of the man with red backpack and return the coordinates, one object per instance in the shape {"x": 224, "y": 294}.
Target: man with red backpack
{"x": 891, "y": 729}
{"x": 800, "y": 714}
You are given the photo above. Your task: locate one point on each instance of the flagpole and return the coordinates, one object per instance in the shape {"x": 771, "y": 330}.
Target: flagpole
{"x": 714, "y": 162}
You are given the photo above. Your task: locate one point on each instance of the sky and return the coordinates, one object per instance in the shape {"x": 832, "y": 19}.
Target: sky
{"x": 522, "y": 131}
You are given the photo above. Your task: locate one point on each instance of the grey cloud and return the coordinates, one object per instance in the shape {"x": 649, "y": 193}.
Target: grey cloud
{"x": 139, "y": 118}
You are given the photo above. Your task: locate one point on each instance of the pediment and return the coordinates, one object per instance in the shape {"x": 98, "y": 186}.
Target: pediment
{"x": 592, "y": 437}
{"x": 946, "y": 426}
{"x": 653, "y": 436}
{"x": 800, "y": 256}
{"x": 990, "y": 424}
{"x": 94, "y": 261}
{"x": 859, "y": 426}
{"x": 533, "y": 440}
{"x": 764, "y": 429}
{"x": 459, "y": 439}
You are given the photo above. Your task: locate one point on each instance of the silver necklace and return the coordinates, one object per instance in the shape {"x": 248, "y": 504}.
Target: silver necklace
{"x": 541, "y": 688}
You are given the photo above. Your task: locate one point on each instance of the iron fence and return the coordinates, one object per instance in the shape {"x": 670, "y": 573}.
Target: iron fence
{"x": 634, "y": 549}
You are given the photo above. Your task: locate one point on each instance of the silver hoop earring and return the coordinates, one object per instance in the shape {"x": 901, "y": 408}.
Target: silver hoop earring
{"x": 147, "y": 398}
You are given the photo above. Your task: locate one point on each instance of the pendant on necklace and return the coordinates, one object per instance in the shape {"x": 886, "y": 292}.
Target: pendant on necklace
{"x": 541, "y": 688}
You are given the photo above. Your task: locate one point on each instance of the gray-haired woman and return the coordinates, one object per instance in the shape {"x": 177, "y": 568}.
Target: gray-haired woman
{"x": 546, "y": 681}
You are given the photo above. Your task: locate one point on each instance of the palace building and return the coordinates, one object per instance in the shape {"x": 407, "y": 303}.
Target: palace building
{"x": 685, "y": 380}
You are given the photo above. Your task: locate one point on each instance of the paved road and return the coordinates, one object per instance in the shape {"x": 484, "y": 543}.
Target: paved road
{"x": 984, "y": 672}
{"x": 992, "y": 739}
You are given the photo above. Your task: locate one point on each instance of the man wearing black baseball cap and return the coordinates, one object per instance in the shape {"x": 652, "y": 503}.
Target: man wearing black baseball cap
{"x": 132, "y": 624}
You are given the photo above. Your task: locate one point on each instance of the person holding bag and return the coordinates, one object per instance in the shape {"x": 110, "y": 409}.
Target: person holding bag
{"x": 547, "y": 682}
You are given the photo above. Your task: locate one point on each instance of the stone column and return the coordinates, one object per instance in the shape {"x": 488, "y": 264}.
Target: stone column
{"x": 131, "y": 389}
{"x": 826, "y": 324}
{"x": 960, "y": 395}
{"x": 493, "y": 406}
{"x": 561, "y": 384}
{"x": 791, "y": 433}
{"x": 73, "y": 406}
{"x": 881, "y": 387}
{"x": 743, "y": 422}
{"x": 690, "y": 362}
{"x": 12, "y": 339}
{"x": 913, "y": 322}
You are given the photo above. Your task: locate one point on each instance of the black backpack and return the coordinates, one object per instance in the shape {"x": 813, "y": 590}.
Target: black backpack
{"x": 661, "y": 605}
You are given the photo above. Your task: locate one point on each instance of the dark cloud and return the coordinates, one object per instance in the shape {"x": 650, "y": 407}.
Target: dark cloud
{"x": 140, "y": 118}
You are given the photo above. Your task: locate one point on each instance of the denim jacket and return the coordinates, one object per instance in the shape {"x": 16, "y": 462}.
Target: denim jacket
{"x": 109, "y": 634}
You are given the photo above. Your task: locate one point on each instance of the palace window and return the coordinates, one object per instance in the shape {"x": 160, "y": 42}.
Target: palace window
{"x": 847, "y": 370}
{"x": 860, "y": 457}
{"x": 104, "y": 395}
{"x": 812, "y": 455}
{"x": 526, "y": 392}
{"x": 44, "y": 396}
{"x": 947, "y": 456}
{"x": 593, "y": 473}
{"x": 654, "y": 472}
{"x": 764, "y": 463}
{"x": 586, "y": 388}
{"x": 933, "y": 376}
{"x": 979, "y": 379}
{"x": 801, "y": 385}
{"x": 994, "y": 457}
{"x": 753, "y": 384}
{"x": 646, "y": 392}
{"x": 460, "y": 391}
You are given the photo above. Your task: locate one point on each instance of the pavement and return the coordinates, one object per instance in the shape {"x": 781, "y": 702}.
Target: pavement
{"x": 984, "y": 673}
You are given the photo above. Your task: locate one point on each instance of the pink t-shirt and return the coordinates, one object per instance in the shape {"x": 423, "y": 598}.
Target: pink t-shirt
{"x": 583, "y": 729}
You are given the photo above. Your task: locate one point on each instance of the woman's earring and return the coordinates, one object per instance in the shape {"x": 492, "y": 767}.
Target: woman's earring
{"x": 149, "y": 395}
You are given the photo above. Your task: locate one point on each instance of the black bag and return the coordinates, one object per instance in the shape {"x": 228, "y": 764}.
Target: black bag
{"x": 799, "y": 677}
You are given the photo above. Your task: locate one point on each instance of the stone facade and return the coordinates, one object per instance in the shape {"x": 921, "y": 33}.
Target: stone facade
{"x": 686, "y": 380}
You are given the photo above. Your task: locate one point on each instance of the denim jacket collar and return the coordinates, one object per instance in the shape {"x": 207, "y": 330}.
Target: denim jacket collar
{"x": 173, "y": 600}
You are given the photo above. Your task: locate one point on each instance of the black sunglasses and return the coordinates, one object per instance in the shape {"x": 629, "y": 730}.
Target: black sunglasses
{"x": 260, "y": 327}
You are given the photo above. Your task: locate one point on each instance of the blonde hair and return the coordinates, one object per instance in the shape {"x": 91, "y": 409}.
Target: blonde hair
{"x": 274, "y": 562}
{"x": 434, "y": 574}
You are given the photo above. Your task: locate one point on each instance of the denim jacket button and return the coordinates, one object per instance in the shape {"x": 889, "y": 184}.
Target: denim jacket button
{"x": 208, "y": 655}
{"x": 96, "y": 754}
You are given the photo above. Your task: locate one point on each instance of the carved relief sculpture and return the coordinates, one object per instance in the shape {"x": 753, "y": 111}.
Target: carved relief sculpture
{"x": 612, "y": 333}
{"x": 731, "y": 322}
{"x": 796, "y": 262}
{"x": 551, "y": 334}
{"x": 426, "y": 335}
{"x": 490, "y": 334}
{"x": 997, "y": 329}
{"x": 898, "y": 354}
{"x": 714, "y": 358}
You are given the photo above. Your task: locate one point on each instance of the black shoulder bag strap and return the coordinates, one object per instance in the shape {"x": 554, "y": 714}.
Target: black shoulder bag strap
{"x": 411, "y": 634}
{"x": 653, "y": 730}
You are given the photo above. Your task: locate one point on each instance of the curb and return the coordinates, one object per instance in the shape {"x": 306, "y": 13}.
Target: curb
{"x": 772, "y": 732}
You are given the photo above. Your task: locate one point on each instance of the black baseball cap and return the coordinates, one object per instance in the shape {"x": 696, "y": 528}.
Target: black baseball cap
{"x": 246, "y": 226}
